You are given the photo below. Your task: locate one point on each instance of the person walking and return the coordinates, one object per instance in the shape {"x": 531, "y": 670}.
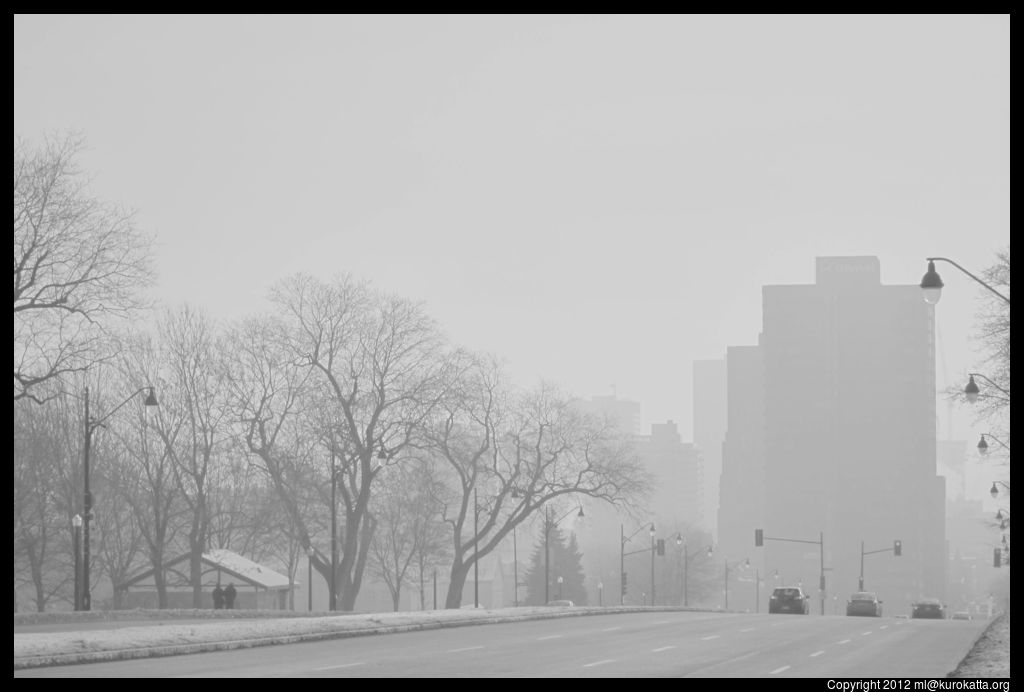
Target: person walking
{"x": 229, "y": 596}
{"x": 218, "y": 597}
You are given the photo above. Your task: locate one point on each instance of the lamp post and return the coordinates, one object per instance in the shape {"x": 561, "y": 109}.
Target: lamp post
{"x": 682, "y": 544}
{"x": 559, "y": 587}
{"x": 972, "y": 391}
{"x": 931, "y": 282}
{"x": 652, "y": 563}
{"x": 623, "y": 539}
{"x": 90, "y": 426}
{"x": 309, "y": 568}
{"x": 995, "y": 489}
{"x": 600, "y": 593}
{"x": 983, "y": 444}
{"x": 896, "y": 550}
{"x": 548, "y": 525}
{"x": 76, "y": 539}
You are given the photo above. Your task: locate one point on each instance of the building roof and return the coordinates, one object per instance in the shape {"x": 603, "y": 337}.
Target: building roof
{"x": 218, "y": 564}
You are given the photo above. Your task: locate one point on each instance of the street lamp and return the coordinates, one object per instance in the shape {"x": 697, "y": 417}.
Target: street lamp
{"x": 983, "y": 445}
{"x": 559, "y": 587}
{"x": 90, "y": 426}
{"x": 931, "y": 282}
{"x": 309, "y": 567}
{"x": 76, "y": 539}
{"x": 548, "y": 525}
{"x": 652, "y": 563}
{"x": 681, "y": 543}
{"x": 600, "y": 593}
{"x": 623, "y": 539}
{"x": 995, "y": 490}
{"x": 896, "y": 549}
{"x": 972, "y": 391}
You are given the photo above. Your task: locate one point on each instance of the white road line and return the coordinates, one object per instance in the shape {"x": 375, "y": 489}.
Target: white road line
{"x": 817, "y": 653}
{"x": 550, "y": 636}
{"x": 611, "y": 629}
{"x": 713, "y": 636}
{"x": 883, "y": 627}
{"x": 468, "y": 648}
{"x": 662, "y": 622}
{"x": 598, "y": 663}
{"x": 779, "y": 670}
{"x": 341, "y": 665}
{"x": 864, "y": 634}
{"x": 747, "y": 629}
{"x": 664, "y": 648}
{"x": 845, "y": 641}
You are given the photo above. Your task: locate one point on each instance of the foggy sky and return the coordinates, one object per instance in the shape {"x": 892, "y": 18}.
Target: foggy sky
{"x": 596, "y": 199}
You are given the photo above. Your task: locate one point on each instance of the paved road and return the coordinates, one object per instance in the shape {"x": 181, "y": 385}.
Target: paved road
{"x": 667, "y": 644}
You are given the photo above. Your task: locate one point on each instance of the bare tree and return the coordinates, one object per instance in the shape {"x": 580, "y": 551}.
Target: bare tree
{"x": 77, "y": 263}
{"x": 382, "y": 365}
{"x": 194, "y": 423}
{"x": 509, "y": 456}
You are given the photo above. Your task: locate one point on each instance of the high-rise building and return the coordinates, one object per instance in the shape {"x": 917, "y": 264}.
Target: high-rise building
{"x": 678, "y": 494}
{"x": 709, "y": 416}
{"x": 849, "y": 438}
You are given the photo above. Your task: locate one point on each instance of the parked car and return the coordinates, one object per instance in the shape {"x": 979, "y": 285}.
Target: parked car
{"x": 864, "y": 603}
{"x": 928, "y": 608}
{"x": 961, "y": 615}
{"x": 562, "y": 603}
{"x": 789, "y": 599}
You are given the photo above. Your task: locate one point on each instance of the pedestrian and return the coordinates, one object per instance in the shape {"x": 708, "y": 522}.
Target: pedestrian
{"x": 218, "y": 597}
{"x": 229, "y": 596}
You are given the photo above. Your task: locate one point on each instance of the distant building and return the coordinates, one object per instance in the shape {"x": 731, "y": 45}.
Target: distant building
{"x": 847, "y": 396}
{"x": 679, "y": 492}
{"x": 709, "y": 420}
{"x": 623, "y": 414}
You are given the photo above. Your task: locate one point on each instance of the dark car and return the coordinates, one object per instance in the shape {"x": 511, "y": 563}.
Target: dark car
{"x": 928, "y": 608}
{"x": 864, "y": 603}
{"x": 789, "y": 599}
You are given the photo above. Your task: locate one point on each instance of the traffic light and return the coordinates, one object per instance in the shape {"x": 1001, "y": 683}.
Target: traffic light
{"x": 897, "y": 548}
{"x": 661, "y": 546}
{"x": 997, "y": 557}
{"x": 623, "y": 583}
{"x": 758, "y": 537}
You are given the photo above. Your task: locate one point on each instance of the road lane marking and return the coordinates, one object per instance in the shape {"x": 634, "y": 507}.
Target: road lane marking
{"x": 611, "y": 629}
{"x": 550, "y": 636}
{"x": 817, "y": 653}
{"x": 779, "y": 670}
{"x": 883, "y": 627}
{"x": 662, "y": 622}
{"x": 598, "y": 663}
{"x": 468, "y": 648}
{"x": 845, "y": 641}
{"x": 342, "y": 665}
{"x": 747, "y": 629}
{"x": 713, "y": 636}
{"x": 664, "y": 648}
{"x": 864, "y": 634}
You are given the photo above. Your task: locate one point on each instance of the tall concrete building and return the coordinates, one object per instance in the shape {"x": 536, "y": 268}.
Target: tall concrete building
{"x": 678, "y": 495}
{"x": 709, "y": 416}
{"x": 848, "y": 458}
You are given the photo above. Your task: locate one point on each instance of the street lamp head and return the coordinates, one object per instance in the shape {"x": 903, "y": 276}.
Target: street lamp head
{"x": 983, "y": 449}
{"x": 559, "y": 579}
{"x": 679, "y": 539}
{"x": 999, "y": 515}
{"x": 76, "y": 521}
{"x": 971, "y": 391}
{"x": 931, "y": 284}
{"x": 652, "y": 530}
{"x": 747, "y": 563}
{"x": 580, "y": 515}
{"x": 382, "y": 454}
{"x": 994, "y": 491}
{"x": 711, "y": 551}
{"x": 310, "y": 552}
{"x": 151, "y": 398}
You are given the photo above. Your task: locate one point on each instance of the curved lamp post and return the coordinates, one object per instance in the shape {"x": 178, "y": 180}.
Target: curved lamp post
{"x": 931, "y": 282}
{"x": 995, "y": 489}
{"x": 623, "y": 540}
{"x": 90, "y": 427}
{"x": 548, "y": 525}
{"x": 971, "y": 390}
{"x": 76, "y": 539}
{"x": 983, "y": 445}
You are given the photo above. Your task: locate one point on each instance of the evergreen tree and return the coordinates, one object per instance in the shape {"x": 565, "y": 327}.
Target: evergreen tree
{"x": 564, "y": 560}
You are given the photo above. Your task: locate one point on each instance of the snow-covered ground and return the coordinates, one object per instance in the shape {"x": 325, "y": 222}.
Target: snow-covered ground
{"x": 990, "y": 657}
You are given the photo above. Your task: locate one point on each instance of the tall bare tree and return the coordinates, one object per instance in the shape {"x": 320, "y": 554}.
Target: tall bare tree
{"x": 77, "y": 263}
{"x": 510, "y": 455}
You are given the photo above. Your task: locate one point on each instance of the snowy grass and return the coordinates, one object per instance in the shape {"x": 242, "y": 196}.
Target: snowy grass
{"x": 990, "y": 657}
